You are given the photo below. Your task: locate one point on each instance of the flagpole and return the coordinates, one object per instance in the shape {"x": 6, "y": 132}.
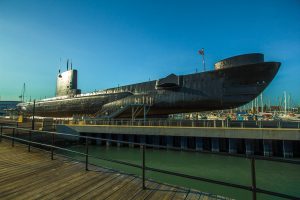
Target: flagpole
{"x": 203, "y": 60}
{"x": 201, "y": 52}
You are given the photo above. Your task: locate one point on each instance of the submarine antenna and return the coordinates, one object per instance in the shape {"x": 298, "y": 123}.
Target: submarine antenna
{"x": 201, "y": 52}
{"x": 67, "y": 64}
{"x": 71, "y": 65}
{"x": 59, "y": 67}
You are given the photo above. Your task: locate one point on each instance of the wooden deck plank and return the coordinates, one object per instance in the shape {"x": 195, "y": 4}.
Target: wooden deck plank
{"x": 33, "y": 175}
{"x": 68, "y": 185}
{"x": 77, "y": 189}
{"x": 164, "y": 192}
{"x": 25, "y": 173}
{"x": 91, "y": 187}
{"x": 192, "y": 195}
{"x": 103, "y": 188}
{"x": 27, "y": 185}
{"x": 180, "y": 195}
{"x": 113, "y": 189}
{"x": 51, "y": 186}
{"x": 129, "y": 189}
{"x": 35, "y": 178}
{"x": 151, "y": 188}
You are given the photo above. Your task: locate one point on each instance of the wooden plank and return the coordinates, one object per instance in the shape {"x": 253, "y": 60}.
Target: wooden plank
{"x": 103, "y": 188}
{"x": 103, "y": 180}
{"x": 114, "y": 188}
{"x": 68, "y": 185}
{"x": 83, "y": 187}
{"x": 151, "y": 188}
{"x": 34, "y": 178}
{"x": 180, "y": 195}
{"x": 193, "y": 195}
{"x": 164, "y": 192}
{"x": 25, "y": 173}
{"x": 51, "y": 186}
{"x": 29, "y": 184}
{"x": 129, "y": 189}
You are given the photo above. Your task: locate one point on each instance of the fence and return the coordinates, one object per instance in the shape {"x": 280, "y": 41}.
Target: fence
{"x": 185, "y": 123}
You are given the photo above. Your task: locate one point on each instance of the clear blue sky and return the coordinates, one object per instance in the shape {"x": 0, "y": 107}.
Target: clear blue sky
{"x": 127, "y": 41}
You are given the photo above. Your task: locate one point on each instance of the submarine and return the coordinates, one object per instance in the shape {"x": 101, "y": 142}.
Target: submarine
{"x": 235, "y": 81}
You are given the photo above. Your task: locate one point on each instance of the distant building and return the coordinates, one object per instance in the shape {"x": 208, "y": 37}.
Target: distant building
{"x": 7, "y": 105}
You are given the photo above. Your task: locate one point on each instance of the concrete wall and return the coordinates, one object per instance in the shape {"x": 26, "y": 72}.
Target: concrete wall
{"x": 241, "y": 133}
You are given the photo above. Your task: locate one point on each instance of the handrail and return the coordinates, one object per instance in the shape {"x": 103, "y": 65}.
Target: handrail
{"x": 225, "y": 123}
{"x": 252, "y": 188}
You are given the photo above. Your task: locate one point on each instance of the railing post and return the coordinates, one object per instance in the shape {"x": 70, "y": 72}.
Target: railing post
{"x": 143, "y": 167}
{"x": 33, "y": 113}
{"x": 86, "y": 154}
{"x": 253, "y": 178}
{"x": 13, "y": 139}
{"x": 30, "y": 138}
{"x": 52, "y": 149}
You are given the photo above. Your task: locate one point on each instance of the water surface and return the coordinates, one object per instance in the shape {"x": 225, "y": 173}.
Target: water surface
{"x": 274, "y": 176}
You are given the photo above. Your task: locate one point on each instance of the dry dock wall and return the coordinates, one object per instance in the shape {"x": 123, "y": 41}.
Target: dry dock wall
{"x": 263, "y": 141}
{"x": 241, "y": 133}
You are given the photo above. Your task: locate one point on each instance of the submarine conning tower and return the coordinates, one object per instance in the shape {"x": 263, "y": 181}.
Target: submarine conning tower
{"x": 66, "y": 83}
{"x": 239, "y": 60}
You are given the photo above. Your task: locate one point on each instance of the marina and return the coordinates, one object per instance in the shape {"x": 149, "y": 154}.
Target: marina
{"x": 149, "y": 100}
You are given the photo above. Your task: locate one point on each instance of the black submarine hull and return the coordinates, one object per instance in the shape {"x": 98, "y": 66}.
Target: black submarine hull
{"x": 224, "y": 88}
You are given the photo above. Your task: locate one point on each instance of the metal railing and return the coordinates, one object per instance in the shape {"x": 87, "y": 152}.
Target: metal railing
{"x": 185, "y": 123}
{"x": 51, "y": 147}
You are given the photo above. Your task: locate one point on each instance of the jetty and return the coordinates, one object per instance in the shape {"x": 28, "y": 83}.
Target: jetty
{"x": 33, "y": 167}
{"x": 33, "y": 175}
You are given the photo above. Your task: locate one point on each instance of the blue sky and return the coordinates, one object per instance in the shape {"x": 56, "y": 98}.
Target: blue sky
{"x": 127, "y": 41}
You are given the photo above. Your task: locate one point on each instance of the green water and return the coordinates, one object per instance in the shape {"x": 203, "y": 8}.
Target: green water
{"x": 274, "y": 176}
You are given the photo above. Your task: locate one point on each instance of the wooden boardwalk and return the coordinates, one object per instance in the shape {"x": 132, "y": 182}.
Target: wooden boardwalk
{"x": 34, "y": 175}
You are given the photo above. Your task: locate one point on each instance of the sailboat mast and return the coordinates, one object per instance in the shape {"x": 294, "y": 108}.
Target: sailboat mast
{"x": 23, "y": 94}
{"x": 262, "y": 103}
{"x": 284, "y": 102}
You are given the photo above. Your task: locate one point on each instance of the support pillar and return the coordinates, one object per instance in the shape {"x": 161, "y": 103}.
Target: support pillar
{"x": 249, "y": 145}
{"x": 131, "y": 139}
{"x": 98, "y": 142}
{"x": 120, "y": 138}
{"x": 268, "y": 151}
{"x": 199, "y": 144}
{"x": 156, "y": 140}
{"x": 169, "y": 141}
{"x": 287, "y": 149}
{"x": 215, "y": 147}
{"x": 183, "y": 142}
{"x": 108, "y": 143}
{"x": 232, "y": 145}
{"x": 142, "y": 139}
